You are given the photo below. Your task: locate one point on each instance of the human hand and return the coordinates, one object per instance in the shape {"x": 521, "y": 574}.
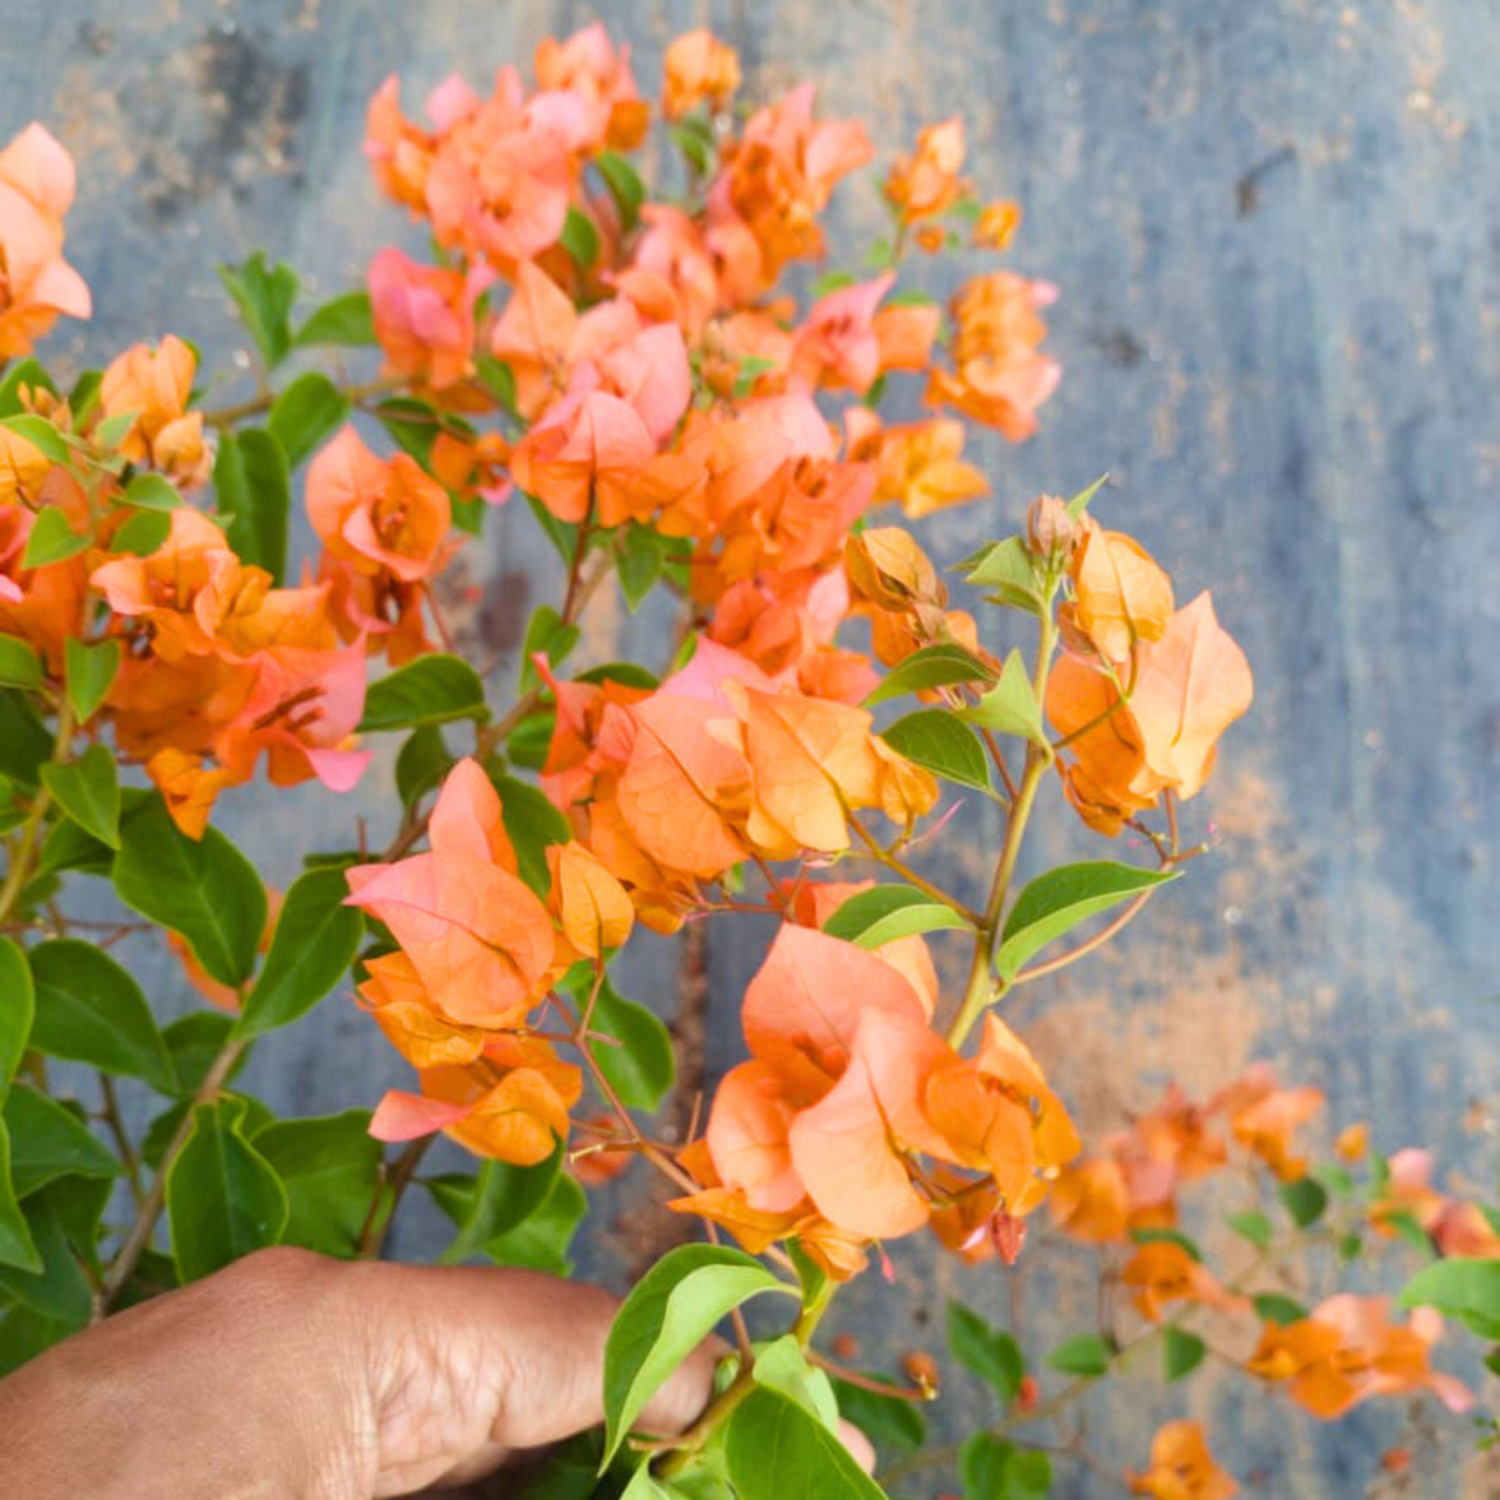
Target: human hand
{"x": 289, "y": 1376}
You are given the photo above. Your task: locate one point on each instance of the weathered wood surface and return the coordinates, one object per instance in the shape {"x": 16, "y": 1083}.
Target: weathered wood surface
{"x": 1276, "y": 227}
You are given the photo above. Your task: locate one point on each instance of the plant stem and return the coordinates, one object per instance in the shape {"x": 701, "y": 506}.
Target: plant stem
{"x": 372, "y": 1234}
{"x": 905, "y": 871}
{"x": 116, "y": 1123}
{"x": 20, "y": 865}
{"x": 138, "y": 1237}
{"x": 226, "y": 416}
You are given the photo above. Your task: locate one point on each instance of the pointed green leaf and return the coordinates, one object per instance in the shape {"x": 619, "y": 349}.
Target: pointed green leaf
{"x": 933, "y": 666}
{"x": 1272, "y": 1307}
{"x": 1305, "y": 1200}
{"x": 42, "y": 436}
{"x": 88, "y": 791}
{"x": 777, "y": 1451}
{"x": 204, "y": 889}
{"x": 49, "y": 1141}
{"x": 580, "y": 239}
{"x": 934, "y": 739}
{"x": 253, "y": 487}
{"x": 223, "y": 1197}
{"x": 314, "y": 943}
{"x": 430, "y": 690}
{"x": 546, "y": 634}
{"x": 152, "y": 492}
{"x": 27, "y": 375}
{"x": 1010, "y": 707}
{"x": 91, "y": 673}
{"x": 17, "y": 1247}
{"x": 669, "y": 1313}
{"x": 19, "y": 664}
{"x": 497, "y": 1199}
{"x": 624, "y": 184}
{"x": 345, "y": 320}
{"x": 1181, "y": 1353}
{"x": 1466, "y": 1289}
{"x": 330, "y": 1168}
{"x": 782, "y": 1365}
{"x": 52, "y": 539}
{"x": 1251, "y": 1224}
{"x": 1009, "y": 573}
{"x": 90, "y": 1010}
{"x": 1080, "y": 502}
{"x": 887, "y": 1420}
{"x": 640, "y": 557}
{"x": 532, "y": 823}
{"x": 641, "y": 1069}
{"x": 993, "y": 1469}
{"x": 58, "y": 1290}
{"x": 141, "y": 534}
{"x": 887, "y": 912}
{"x": 990, "y": 1352}
{"x": 1055, "y": 903}
{"x": 264, "y": 295}
{"x": 1086, "y": 1354}
{"x": 423, "y": 762}
{"x": 305, "y": 413}
{"x": 540, "y": 1241}
{"x": 17, "y": 1007}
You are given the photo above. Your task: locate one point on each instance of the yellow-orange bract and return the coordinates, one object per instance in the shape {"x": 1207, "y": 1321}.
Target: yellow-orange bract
{"x": 1182, "y": 1468}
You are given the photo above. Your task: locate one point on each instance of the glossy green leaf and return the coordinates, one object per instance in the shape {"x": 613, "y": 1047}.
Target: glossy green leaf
{"x": 204, "y": 889}
{"x": 264, "y": 295}
{"x": 152, "y": 492}
{"x": 548, "y": 635}
{"x": 640, "y": 556}
{"x": 17, "y": 1247}
{"x": 52, "y": 539}
{"x": 423, "y": 762}
{"x": 990, "y": 1352}
{"x": 1080, "y": 502}
{"x": 17, "y": 1007}
{"x": 993, "y": 1469}
{"x": 59, "y": 1290}
{"x": 1251, "y": 1224}
{"x": 580, "y": 239}
{"x": 933, "y": 666}
{"x": 1010, "y": 707}
{"x": 413, "y": 425}
{"x": 943, "y": 744}
{"x": 346, "y": 320}
{"x": 305, "y": 413}
{"x": 1085, "y": 1354}
{"x": 314, "y": 942}
{"x": 253, "y": 485}
{"x": 42, "y": 436}
{"x": 889, "y": 1421}
{"x": 223, "y": 1197}
{"x": 1055, "y": 903}
{"x": 193, "y": 1042}
{"x": 668, "y": 1314}
{"x": 1181, "y": 1353}
{"x": 782, "y": 1365}
{"x": 499, "y": 1197}
{"x": 49, "y": 1141}
{"x": 330, "y": 1168}
{"x": 430, "y": 690}
{"x": 532, "y": 823}
{"x": 141, "y": 534}
{"x": 1008, "y": 572}
{"x": 887, "y": 912}
{"x": 1305, "y": 1200}
{"x": 624, "y": 184}
{"x": 25, "y": 744}
{"x": 776, "y": 1450}
{"x": 20, "y": 666}
{"x": 90, "y": 1010}
{"x": 88, "y": 791}
{"x": 540, "y": 1241}
{"x": 1272, "y": 1307}
{"x": 641, "y": 1069}
{"x": 25, "y": 375}
{"x": 1462, "y": 1288}
{"x": 91, "y": 672}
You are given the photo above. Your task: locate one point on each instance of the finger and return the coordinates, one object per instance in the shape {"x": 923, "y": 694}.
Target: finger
{"x": 465, "y": 1365}
{"x": 860, "y": 1449}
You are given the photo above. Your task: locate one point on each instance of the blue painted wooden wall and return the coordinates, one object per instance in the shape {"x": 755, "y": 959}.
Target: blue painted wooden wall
{"x": 1276, "y": 227}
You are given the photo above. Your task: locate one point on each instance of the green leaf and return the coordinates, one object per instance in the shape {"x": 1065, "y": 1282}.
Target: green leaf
{"x": 264, "y": 296}
{"x": 782, "y": 1365}
{"x": 193, "y": 1042}
{"x": 430, "y": 690}
{"x": 1305, "y": 1200}
{"x": 223, "y": 1197}
{"x": 305, "y": 413}
{"x": 695, "y": 138}
{"x": 531, "y": 739}
{"x": 25, "y": 744}
{"x": 413, "y": 425}
{"x": 624, "y": 185}
{"x": 1181, "y": 1353}
{"x": 152, "y": 492}
{"x": 84, "y": 396}
{"x": 1251, "y": 1224}
{"x": 1274, "y": 1308}
{"x": 49, "y": 1141}
{"x": 668, "y": 1314}
{"x": 142, "y": 534}
{"x": 580, "y": 239}
{"x": 89, "y": 793}
{"x": 887, "y": 1420}
{"x": 777, "y": 1451}
{"x": 90, "y": 674}
{"x": 19, "y": 664}
{"x": 58, "y": 1290}
{"x": 1466, "y": 1289}
{"x": 89, "y": 1010}
{"x": 1080, "y": 502}
{"x": 17, "y": 1007}
{"x": 1008, "y": 571}
{"x": 345, "y": 320}
{"x": 1176, "y": 1237}
{"x": 989, "y": 1352}
{"x": 545, "y": 633}
{"x": 498, "y": 1198}
{"x": 562, "y": 535}
{"x": 641, "y": 1069}
{"x": 1058, "y": 901}
{"x": 935, "y": 739}
{"x": 52, "y": 539}
{"x": 42, "y": 436}
{"x": 423, "y": 762}
{"x": 28, "y": 375}
{"x": 933, "y": 666}
{"x": 112, "y": 431}
{"x": 532, "y": 823}
{"x": 640, "y": 556}
{"x": 330, "y": 1168}
{"x": 887, "y": 912}
{"x": 1010, "y": 707}
{"x": 314, "y": 943}
{"x": 993, "y": 1469}
{"x": 204, "y": 889}
{"x": 540, "y": 1241}
{"x": 1085, "y": 1354}
{"x": 254, "y": 488}
{"x": 17, "y": 1247}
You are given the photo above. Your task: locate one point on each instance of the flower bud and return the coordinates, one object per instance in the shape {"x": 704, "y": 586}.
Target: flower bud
{"x": 1050, "y": 530}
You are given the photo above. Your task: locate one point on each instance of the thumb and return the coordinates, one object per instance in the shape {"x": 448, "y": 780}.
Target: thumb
{"x": 462, "y": 1366}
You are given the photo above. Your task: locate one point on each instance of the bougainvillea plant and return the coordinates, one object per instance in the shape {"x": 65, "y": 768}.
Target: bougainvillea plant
{"x": 633, "y": 369}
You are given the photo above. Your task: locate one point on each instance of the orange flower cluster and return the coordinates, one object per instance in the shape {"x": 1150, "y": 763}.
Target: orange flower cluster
{"x": 848, "y": 1090}
{"x": 477, "y": 953}
{"x": 1144, "y": 691}
{"x": 1182, "y": 1468}
{"x": 673, "y": 787}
